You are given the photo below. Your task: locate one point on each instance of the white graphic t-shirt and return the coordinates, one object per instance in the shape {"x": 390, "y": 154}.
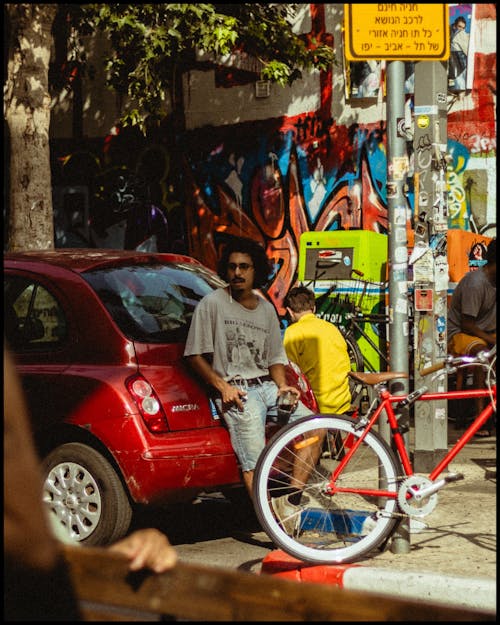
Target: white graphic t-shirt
{"x": 244, "y": 343}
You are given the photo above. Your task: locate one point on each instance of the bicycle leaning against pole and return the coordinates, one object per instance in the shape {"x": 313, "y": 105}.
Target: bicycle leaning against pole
{"x": 346, "y": 311}
{"x": 359, "y": 487}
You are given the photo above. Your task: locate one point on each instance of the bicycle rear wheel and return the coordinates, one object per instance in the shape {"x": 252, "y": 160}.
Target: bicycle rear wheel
{"x": 355, "y": 355}
{"x": 357, "y": 364}
{"x": 328, "y": 528}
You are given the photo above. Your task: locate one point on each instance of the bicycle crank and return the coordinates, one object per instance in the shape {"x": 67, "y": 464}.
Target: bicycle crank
{"x": 415, "y": 505}
{"x": 417, "y": 495}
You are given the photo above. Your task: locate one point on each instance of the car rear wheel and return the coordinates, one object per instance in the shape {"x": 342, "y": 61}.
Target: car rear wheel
{"x": 84, "y": 496}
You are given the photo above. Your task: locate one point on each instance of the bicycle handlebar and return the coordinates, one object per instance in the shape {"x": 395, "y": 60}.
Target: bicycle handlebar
{"x": 427, "y": 370}
{"x": 481, "y": 358}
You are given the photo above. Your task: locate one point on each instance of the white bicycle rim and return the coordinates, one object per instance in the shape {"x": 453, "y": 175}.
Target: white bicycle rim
{"x": 385, "y": 462}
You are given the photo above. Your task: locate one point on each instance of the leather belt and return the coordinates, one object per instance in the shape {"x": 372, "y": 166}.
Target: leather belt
{"x": 252, "y": 381}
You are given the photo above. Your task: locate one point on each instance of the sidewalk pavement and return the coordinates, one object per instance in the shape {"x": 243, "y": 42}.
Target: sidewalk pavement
{"x": 452, "y": 561}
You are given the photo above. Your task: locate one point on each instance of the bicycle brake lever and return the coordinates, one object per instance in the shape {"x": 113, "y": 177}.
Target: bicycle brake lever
{"x": 484, "y": 356}
{"x": 412, "y": 397}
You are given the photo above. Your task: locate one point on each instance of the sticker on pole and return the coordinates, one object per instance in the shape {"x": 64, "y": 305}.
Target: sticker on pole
{"x": 409, "y": 32}
{"x": 423, "y": 299}
{"x": 423, "y": 121}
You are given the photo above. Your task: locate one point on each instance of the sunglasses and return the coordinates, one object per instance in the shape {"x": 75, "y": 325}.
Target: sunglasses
{"x": 240, "y": 266}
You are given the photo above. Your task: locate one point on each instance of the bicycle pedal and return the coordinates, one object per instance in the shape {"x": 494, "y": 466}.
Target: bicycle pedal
{"x": 454, "y": 477}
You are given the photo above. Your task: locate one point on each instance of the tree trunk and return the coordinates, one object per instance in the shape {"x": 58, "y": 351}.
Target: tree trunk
{"x": 27, "y": 112}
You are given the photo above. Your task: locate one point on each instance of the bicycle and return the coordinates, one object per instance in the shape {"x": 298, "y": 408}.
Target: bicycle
{"x": 361, "y": 487}
{"x": 342, "y": 304}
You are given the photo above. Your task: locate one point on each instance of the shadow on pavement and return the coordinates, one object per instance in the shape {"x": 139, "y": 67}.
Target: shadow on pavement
{"x": 208, "y": 517}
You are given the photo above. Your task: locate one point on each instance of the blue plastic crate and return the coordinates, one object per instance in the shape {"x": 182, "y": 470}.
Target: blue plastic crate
{"x": 338, "y": 521}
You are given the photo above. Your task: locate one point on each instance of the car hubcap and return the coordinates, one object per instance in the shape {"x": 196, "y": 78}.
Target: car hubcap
{"x": 73, "y": 501}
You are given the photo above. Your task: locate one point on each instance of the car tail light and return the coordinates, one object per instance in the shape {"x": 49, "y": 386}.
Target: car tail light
{"x": 301, "y": 379}
{"x": 148, "y": 403}
{"x": 303, "y": 385}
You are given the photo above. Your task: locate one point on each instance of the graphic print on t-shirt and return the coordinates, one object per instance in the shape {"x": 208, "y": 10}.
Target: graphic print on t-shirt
{"x": 246, "y": 348}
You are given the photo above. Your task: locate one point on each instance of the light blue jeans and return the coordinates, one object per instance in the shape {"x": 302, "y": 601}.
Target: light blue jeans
{"x": 247, "y": 427}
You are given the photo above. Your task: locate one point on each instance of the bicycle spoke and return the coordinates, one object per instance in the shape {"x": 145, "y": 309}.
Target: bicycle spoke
{"x": 333, "y": 522}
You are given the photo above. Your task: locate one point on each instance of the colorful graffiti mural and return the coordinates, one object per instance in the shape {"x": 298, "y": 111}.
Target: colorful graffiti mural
{"x": 273, "y": 192}
{"x": 274, "y": 179}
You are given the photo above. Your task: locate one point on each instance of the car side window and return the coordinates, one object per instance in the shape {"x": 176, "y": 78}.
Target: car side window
{"x": 152, "y": 303}
{"x": 34, "y": 320}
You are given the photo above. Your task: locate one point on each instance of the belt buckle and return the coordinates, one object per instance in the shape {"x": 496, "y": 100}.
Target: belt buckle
{"x": 239, "y": 382}
{"x": 257, "y": 381}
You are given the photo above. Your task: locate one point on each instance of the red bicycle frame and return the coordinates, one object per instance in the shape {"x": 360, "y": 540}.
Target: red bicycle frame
{"x": 386, "y": 404}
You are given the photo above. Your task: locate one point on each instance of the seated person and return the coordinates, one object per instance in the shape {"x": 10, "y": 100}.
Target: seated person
{"x": 472, "y": 319}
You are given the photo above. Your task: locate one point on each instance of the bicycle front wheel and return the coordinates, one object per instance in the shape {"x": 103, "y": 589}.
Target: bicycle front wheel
{"x": 337, "y": 520}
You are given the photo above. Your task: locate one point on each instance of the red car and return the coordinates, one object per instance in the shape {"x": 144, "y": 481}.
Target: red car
{"x": 118, "y": 417}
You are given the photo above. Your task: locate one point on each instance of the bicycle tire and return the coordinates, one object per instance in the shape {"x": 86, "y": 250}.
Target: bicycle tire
{"x": 355, "y": 355}
{"x": 330, "y": 529}
{"x": 357, "y": 364}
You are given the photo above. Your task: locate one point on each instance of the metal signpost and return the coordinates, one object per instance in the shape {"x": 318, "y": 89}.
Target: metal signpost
{"x": 397, "y": 33}
{"x": 430, "y": 262}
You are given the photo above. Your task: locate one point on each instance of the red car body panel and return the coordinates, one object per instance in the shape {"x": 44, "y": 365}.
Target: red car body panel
{"x": 76, "y": 390}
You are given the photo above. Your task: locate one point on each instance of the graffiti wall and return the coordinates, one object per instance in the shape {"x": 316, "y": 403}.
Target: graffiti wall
{"x": 289, "y": 177}
{"x": 274, "y": 179}
{"x": 121, "y": 192}
{"x": 309, "y": 158}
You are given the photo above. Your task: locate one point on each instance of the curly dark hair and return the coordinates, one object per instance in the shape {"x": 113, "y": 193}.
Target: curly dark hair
{"x": 257, "y": 253}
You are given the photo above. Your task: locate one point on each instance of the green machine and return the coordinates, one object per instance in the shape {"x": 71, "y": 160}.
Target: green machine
{"x": 349, "y": 267}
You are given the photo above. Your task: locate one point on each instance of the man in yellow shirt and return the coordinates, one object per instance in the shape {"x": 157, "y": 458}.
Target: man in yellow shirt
{"x": 319, "y": 349}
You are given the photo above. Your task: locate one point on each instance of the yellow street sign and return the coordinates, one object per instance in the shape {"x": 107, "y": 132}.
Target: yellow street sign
{"x": 409, "y": 32}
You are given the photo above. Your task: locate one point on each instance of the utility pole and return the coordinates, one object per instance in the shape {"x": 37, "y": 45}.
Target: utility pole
{"x": 421, "y": 34}
{"x": 429, "y": 257}
{"x": 397, "y": 170}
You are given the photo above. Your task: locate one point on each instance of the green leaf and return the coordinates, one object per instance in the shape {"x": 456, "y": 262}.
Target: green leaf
{"x": 153, "y": 42}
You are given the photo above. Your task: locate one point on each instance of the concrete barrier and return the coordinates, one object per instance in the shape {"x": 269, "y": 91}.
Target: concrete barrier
{"x": 453, "y": 591}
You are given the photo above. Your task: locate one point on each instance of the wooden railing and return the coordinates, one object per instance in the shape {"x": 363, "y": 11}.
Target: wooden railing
{"x": 108, "y": 591}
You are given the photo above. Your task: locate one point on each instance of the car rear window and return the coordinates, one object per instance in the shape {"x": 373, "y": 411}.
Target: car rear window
{"x": 152, "y": 303}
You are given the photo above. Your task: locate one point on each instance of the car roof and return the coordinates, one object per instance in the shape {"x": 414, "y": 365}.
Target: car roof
{"x": 85, "y": 259}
